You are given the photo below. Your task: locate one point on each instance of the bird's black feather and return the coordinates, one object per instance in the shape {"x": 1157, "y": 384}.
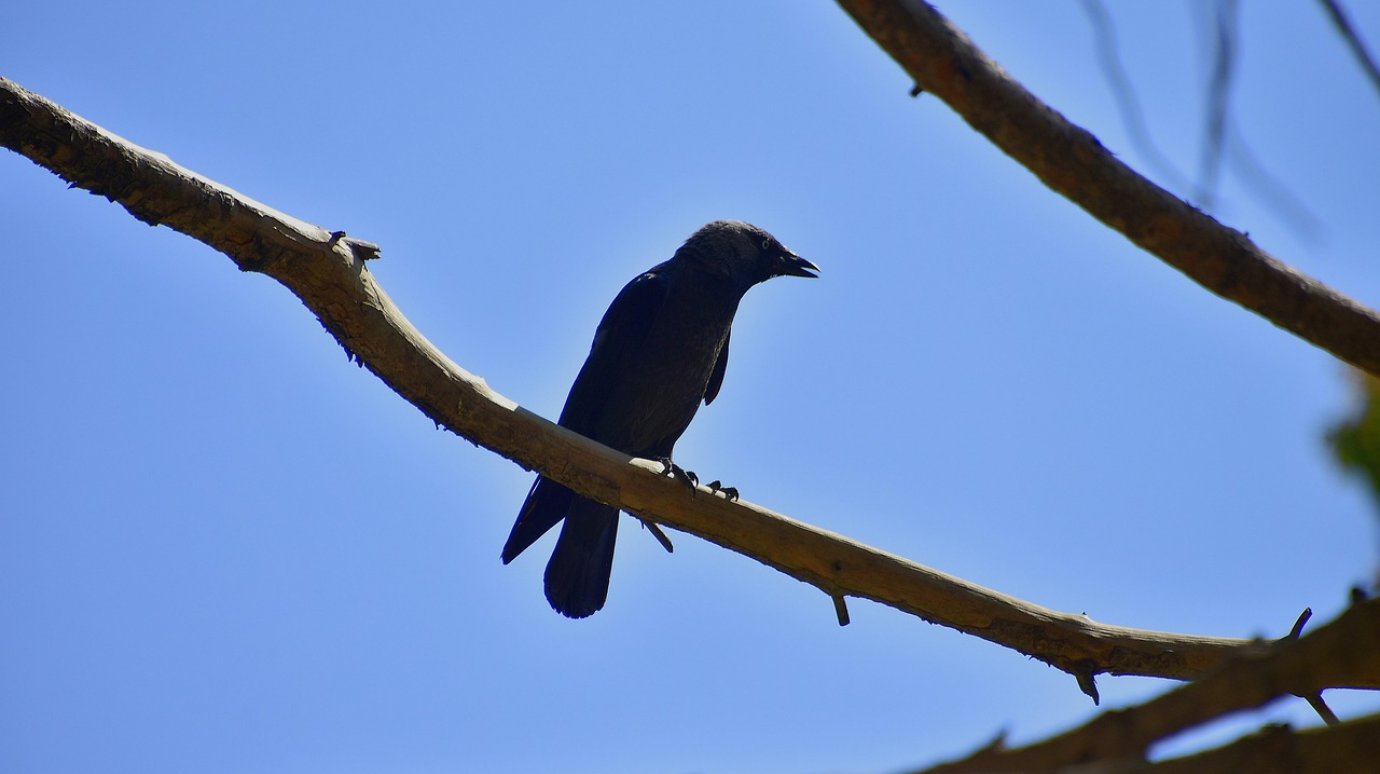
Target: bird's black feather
{"x": 716, "y": 379}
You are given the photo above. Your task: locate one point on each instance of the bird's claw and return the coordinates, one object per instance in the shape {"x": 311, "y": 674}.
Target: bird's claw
{"x": 731, "y": 492}
{"x": 669, "y": 468}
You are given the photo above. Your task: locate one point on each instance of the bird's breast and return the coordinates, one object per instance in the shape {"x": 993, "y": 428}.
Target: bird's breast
{"x": 663, "y": 380}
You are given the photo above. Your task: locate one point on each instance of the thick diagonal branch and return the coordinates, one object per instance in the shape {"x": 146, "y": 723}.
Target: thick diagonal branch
{"x": 328, "y": 273}
{"x": 1070, "y": 160}
{"x": 1350, "y": 746}
{"x": 1292, "y": 666}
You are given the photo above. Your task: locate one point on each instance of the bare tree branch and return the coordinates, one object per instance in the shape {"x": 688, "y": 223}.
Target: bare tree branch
{"x": 1276, "y": 749}
{"x": 1070, "y": 160}
{"x": 327, "y": 272}
{"x": 1299, "y": 666}
{"x": 1350, "y": 746}
{"x": 1353, "y": 40}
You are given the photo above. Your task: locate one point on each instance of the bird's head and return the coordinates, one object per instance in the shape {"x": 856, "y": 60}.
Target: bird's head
{"x": 744, "y": 253}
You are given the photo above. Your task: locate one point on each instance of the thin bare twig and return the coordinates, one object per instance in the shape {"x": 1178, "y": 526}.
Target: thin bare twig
{"x": 1353, "y": 40}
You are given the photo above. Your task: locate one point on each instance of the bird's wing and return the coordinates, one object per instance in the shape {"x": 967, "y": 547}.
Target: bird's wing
{"x": 546, "y": 504}
{"x": 623, "y": 329}
{"x": 716, "y": 379}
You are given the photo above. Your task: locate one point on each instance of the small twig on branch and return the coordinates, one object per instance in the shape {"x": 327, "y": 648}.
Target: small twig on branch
{"x": 943, "y": 61}
{"x": 660, "y": 536}
{"x": 1301, "y": 622}
{"x": 365, "y": 250}
{"x": 1086, "y": 674}
{"x": 1315, "y": 700}
{"x": 330, "y": 277}
{"x": 841, "y": 609}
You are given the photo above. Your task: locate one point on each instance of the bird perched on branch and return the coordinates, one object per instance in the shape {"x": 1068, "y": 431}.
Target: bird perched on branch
{"x": 660, "y": 350}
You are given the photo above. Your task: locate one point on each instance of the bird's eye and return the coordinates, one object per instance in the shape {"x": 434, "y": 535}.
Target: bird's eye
{"x": 766, "y": 245}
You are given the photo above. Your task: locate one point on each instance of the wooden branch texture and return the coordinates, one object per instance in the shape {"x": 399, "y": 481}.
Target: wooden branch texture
{"x": 1351, "y": 746}
{"x": 1301, "y": 667}
{"x": 329, "y": 275}
{"x": 1070, "y": 160}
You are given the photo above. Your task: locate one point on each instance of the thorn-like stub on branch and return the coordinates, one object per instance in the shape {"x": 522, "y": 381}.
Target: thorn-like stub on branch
{"x": 1358, "y": 595}
{"x": 660, "y": 536}
{"x": 1319, "y": 706}
{"x": 916, "y": 91}
{"x": 1299, "y": 624}
{"x": 997, "y": 744}
{"x": 841, "y": 609}
{"x": 1085, "y": 672}
{"x": 366, "y": 251}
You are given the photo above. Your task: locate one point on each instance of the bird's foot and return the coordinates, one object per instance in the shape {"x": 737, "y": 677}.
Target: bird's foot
{"x": 669, "y": 468}
{"x": 731, "y": 492}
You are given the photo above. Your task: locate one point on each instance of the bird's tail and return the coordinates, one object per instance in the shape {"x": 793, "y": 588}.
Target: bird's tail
{"x": 545, "y": 505}
{"x": 577, "y": 577}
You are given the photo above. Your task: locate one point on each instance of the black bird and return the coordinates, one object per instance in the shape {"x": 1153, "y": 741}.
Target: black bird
{"x": 661, "y": 349}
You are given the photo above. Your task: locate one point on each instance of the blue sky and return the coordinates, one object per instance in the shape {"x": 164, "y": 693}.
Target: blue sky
{"x": 226, "y": 549}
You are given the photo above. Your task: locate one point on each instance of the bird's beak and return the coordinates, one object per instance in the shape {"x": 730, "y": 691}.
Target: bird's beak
{"x": 788, "y": 264}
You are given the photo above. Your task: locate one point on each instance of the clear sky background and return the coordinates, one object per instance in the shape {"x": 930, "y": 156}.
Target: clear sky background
{"x": 224, "y": 548}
